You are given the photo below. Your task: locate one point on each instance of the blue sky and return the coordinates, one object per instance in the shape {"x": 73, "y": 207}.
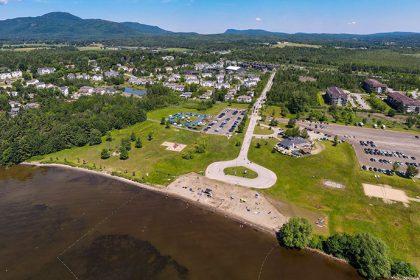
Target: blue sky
{"x": 214, "y": 16}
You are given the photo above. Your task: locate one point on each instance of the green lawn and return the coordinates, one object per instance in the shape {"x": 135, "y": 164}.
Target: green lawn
{"x": 262, "y": 130}
{"x": 153, "y": 163}
{"x": 348, "y": 210}
{"x": 240, "y": 172}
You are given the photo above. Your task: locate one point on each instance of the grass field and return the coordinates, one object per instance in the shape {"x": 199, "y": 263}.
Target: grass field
{"x": 177, "y": 50}
{"x": 152, "y": 163}
{"x": 296, "y": 45}
{"x": 261, "y": 130}
{"x": 241, "y": 172}
{"x": 349, "y": 210}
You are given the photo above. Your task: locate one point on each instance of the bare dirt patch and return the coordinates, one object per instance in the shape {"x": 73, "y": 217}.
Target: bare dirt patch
{"x": 386, "y": 193}
{"x": 174, "y": 147}
{"x": 241, "y": 203}
{"x": 332, "y": 184}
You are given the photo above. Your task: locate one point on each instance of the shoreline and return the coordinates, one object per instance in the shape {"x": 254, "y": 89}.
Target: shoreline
{"x": 159, "y": 190}
{"x": 164, "y": 191}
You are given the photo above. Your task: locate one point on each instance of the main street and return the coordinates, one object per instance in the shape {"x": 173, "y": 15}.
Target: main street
{"x": 266, "y": 178}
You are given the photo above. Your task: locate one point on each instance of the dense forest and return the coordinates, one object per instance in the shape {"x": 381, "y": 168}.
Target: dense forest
{"x": 62, "y": 125}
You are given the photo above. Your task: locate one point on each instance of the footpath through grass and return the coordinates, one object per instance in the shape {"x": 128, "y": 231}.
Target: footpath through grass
{"x": 348, "y": 210}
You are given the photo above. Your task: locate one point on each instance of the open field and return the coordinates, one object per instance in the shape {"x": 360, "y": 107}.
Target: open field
{"x": 300, "y": 182}
{"x": 262, "y": 130}
{"x": 295, "y": 45}
{"x": 153, "y": 163}
{"x": 177, "y": 50}
{"x": 241, "y": 172}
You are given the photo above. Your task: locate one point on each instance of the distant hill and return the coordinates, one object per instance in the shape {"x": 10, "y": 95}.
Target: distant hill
{"x": 64, "y": 26}
{"x": 59, "y": 26}
{"x": 253, "y": 32}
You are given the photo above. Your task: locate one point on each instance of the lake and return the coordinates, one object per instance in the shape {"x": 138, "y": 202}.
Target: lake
{"x": 134, "y": 91}
{"x": 58, "y": 223}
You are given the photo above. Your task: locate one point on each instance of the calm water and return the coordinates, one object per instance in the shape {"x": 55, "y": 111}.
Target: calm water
{"x": 61, "y": 224}
{"x": 134, "y": 91}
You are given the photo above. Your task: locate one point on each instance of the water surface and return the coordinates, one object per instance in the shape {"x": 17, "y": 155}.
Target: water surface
{"x": 63, "y": 224}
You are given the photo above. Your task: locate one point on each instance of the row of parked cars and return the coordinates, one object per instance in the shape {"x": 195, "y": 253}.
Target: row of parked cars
{"x": 378, "y": 152}
{"x": 368, "y": 144}
{"x": 380, "y": 170}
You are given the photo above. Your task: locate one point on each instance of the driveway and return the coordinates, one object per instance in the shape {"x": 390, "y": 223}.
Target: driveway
{"x": 266, "y": 178}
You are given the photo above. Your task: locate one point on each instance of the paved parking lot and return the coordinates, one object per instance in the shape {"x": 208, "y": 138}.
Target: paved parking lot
{"x": 383, "y": 146}
{"x": 226, "y": 122}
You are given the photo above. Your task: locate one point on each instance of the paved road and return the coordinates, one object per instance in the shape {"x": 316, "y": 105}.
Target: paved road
{"x": 266, "y": 178}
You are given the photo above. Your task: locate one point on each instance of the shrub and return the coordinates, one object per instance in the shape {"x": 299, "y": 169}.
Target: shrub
{"x": 105, "y": 154}
{"x": 123, "y": 153}
{"x": 403, "y": 269}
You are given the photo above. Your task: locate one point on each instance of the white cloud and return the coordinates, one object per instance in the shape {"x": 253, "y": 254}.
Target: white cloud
{"x": 258, "y": 19}
{"x": 3, "y": 2}
{"x": 352, "y": 23}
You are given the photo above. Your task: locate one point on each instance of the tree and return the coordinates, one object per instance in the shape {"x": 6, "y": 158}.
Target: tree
{"x": 95, "y": 137}
{"x": 187, "y": 155}
{"x": 304, "y": 134}
{"x": 133, "y": 137}
{"x": 402, "y": 269}
{"x": 337, "y": 245}
{"x": 108, "y": 137}
{"x": 105, "y": 154}
{"x": 258, "y": 145}
{"x": 395, "y": 166}
{"x": 150, "y": 137}
{"x": 291, "y": 123}
{"x": 411, "y": 172}
{"x": 336, "y": 141}
{"x": 274, "y": 122}
{"x": 125, "y": 142}
{"x": 123, "y": 153}
{"x": 292, "y": 132}
{"x": 168, "y": 125}
{"x": 411, "y": 121}
{"x": 391, "y": 113}
{"x": 163, "y": 121}
{"x": 296, "y": 233}
{"x": 368, "y": 255}
{"x": 139, "y": 144}
{"x": 200, "y": 149}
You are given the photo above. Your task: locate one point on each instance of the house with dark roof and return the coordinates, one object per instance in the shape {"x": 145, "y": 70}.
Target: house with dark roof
{"x": 402, "y": 102}
{"x": 371, "y": 85}
{"x": 336, "y": 96}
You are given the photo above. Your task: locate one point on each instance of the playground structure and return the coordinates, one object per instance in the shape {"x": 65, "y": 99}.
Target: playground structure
{"x": 188, "y": 120}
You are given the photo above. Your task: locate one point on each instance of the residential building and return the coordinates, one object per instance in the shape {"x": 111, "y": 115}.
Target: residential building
{"x": 336, "y": 96}
{"x": 244, "y": 99}
{"x": 45, "y": 70}
{"x": 111, "y": 74}
{"x": 186, "y": 95}
{"x": 32, "y": 82}
{"x": 97, "y": 78}
{"x": 404, "y": 103}
{"x": 371, "y": 85}
{"x": 64, "y": 90}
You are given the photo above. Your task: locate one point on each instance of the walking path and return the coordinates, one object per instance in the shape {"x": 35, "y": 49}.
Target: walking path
{"x": 266, "y": 178}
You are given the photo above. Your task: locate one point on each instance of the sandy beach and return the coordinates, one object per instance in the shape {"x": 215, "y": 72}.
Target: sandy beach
{"x": 244, "y": 205}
